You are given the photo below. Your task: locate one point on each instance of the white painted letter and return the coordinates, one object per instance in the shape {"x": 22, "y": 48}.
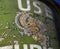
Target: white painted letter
{"x": 32, "y": 46}
{"x": 39, "y": 10}
{"x": 16, "y": 46}
{"x": 25, "y": 46}
{"x": 20, "y": 5}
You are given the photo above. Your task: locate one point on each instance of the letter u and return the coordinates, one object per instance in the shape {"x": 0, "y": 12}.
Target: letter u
{"x": 21, "y": 7}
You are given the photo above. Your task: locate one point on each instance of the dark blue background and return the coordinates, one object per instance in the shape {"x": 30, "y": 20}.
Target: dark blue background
{"x": 58, "y": 1}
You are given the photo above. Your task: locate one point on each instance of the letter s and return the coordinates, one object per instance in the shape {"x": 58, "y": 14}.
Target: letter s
{"x": 35, "y": 4}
